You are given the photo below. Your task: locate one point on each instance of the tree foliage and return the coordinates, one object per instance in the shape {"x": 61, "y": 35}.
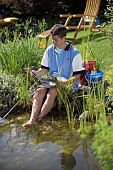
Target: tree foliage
{"x": 43, "y": 8}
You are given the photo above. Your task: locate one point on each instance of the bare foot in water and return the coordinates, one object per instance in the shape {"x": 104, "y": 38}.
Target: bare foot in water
{"x": 27, "y": 124}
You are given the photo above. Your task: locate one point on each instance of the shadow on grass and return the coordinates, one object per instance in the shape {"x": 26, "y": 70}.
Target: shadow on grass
{"x": 97, "y": 36}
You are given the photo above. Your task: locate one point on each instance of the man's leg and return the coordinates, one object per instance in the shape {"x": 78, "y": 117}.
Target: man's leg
{"x": 49, "y": 102}
{"x": 37, "y": 104}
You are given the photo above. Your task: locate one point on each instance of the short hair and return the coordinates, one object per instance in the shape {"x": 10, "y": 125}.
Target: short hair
{"x": 59, "y": 30}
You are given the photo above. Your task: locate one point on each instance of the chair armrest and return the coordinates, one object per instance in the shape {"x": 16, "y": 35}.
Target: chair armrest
{"x": 65, "y": 15}
{"x": 10, "y": 19}
{"x": 44, "y": 34}
{"x": 71, "y": 15}
{"x": 77, "y": 15}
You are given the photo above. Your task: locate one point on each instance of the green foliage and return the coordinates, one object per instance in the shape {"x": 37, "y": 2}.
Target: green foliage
{"x": 29, "y": 28}
{"x": 65, "y": 97}
{"x": 93, "y": 106}
{"x": 8, "y": 90}
{"x": 109, "y": 15}
{"x": 109, "y": 90}
{"x": 13, "y": 89}
{"x": 26, "y": 89}
{"x": 16, "y": 55}
{"x": 109, "y": 10}
{"x": 103, "y": 144}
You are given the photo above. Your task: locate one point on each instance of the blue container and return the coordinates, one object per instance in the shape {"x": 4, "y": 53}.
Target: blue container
{"x": 97, "y": 22}
{"x": 96, "y": 77}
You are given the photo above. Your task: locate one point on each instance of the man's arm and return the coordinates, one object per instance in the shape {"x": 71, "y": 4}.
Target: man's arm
{"x": 40, "y": 71}
{"x": 70, "y": 81}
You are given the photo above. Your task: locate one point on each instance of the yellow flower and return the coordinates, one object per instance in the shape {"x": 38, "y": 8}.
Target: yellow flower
{"x": 42, "y": 44}
{"x": 109, "y": 77}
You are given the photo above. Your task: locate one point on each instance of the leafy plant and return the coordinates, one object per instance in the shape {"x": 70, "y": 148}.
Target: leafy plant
{"x": 14, "y": 56}
{"x": 8, "y": 90}
{"x": 109, "y": 15}
{"x": 103, "y": 145}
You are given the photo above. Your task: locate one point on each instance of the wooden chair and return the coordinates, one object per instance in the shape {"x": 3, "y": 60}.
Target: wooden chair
{"x": 45, "y": 35}
{"x": 7, "y": 21}
{"x": 89, "y": 15}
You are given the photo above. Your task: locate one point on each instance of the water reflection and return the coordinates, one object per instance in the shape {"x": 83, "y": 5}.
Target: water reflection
{"x": 50, "y": 146}
{"x": 68, "y": 161}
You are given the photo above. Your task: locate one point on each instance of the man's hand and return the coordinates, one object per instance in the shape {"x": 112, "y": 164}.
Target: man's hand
{"x": 33, "y": 72}
{"x": 62, "y": 84}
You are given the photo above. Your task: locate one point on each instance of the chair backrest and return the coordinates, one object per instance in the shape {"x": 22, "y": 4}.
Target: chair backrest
{"x": 92, "y": 8}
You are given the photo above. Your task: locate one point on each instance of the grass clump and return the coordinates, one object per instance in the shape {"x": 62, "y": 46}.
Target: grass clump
{"x": 16, "y": 55}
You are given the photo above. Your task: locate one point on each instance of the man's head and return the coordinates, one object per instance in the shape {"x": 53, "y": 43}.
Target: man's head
{"x": 58, "y": 33}
{"x": 58, "y": 30}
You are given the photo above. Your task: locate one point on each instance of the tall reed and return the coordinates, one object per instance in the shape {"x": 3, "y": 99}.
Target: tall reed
{"x": 16, "y": 55}
{"x": 94, "y": 107}
{"x": 63, "y": 97}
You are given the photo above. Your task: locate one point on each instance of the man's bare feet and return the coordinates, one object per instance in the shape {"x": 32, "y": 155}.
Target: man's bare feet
{"x": 27, "y": 124}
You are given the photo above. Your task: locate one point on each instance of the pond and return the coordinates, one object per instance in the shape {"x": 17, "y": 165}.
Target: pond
{"x": 49, "y": 146}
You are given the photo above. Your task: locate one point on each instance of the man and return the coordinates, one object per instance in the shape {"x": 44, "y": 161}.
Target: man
{"x": 61, "y": 59}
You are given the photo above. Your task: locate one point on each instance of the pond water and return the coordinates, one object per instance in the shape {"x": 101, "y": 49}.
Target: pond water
{"x": 49, "y": 146}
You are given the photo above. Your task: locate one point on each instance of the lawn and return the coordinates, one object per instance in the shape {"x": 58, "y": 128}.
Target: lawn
{"x": 100, "y": 45}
